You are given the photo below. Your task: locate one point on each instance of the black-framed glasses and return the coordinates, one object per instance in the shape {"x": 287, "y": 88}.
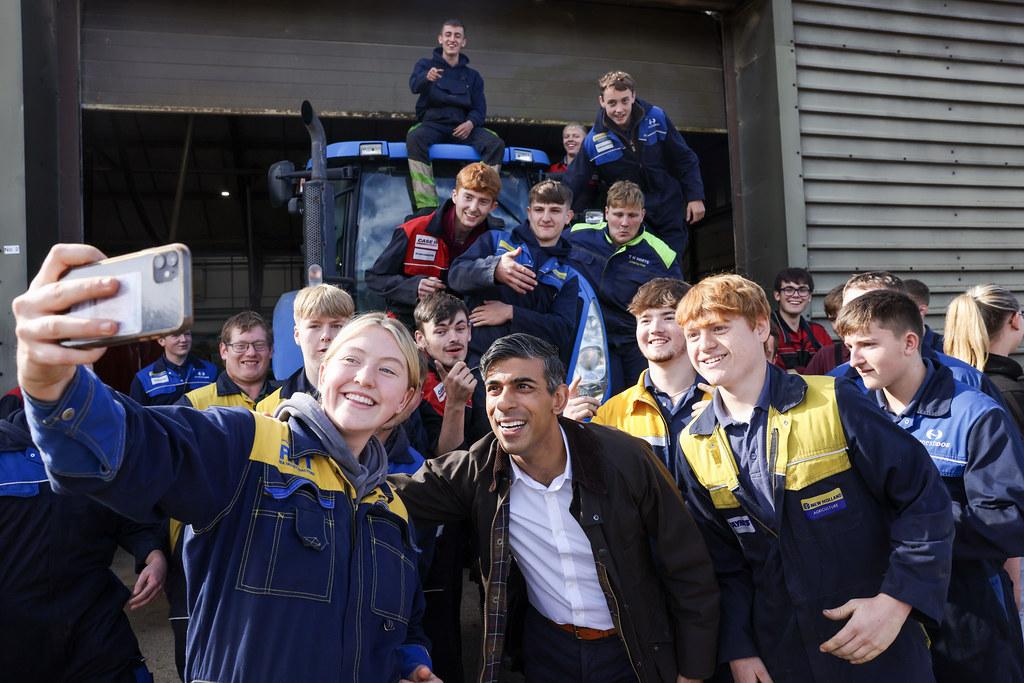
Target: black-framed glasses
{"x": 242, "y": 347}
{"x": 803, "y": 290}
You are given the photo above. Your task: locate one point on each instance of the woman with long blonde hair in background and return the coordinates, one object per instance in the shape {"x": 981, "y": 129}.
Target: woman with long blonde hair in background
{"x": 984, "y": 325}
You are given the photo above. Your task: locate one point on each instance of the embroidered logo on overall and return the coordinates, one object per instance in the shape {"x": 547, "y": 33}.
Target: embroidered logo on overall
{"x": 933, "y": 439}
{"x": 303, "y": 465}
{"x": 162, "y": 378}
{"x": 741, "y": 524}
{"x": 425, "y": 248}
{"x": 823, "y": 505}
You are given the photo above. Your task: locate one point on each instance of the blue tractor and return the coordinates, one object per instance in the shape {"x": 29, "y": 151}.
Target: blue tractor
{"x": 352, "y": 195}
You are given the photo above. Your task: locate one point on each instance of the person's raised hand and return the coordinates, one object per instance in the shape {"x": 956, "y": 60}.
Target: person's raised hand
{"x": 422, "y": 674}
{"x": 45, "y": 367}
{"x": 749, "y": 670}
{"x": 428, "y": 286}
{"x": 580, "y": 408}
{"x": 463, "y": 130}
{"x": 459, "y": 382}
{"x": 873, "y": 624}
{"x": 698, "y": 407}
{"x": 151, "y": 580}
{"x": 520, "y": 278}
{"x": 434, "y": 75}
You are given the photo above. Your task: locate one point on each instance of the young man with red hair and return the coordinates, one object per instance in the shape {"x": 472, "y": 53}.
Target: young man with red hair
{"x": 415, "y": 263}
{"x": 830, "y": 532}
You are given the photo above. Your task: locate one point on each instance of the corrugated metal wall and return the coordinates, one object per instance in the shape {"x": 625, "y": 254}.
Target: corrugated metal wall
{"x": 540, "y": 60}
{"x": 911, "y": 116}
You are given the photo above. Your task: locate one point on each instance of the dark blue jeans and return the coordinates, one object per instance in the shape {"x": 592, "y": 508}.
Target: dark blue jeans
{"x": 553, "y": 656}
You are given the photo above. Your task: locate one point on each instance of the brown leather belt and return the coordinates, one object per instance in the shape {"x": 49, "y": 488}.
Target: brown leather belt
{"x": 583, "y": 632}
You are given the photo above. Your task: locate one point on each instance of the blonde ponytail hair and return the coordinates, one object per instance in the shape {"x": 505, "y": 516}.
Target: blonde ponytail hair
{"x": 973, "y": 318}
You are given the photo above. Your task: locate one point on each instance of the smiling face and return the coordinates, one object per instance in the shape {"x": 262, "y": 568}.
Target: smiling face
{"x": 617, "y": 105}
{"x": 523, "y": 415}
{"x": 364, "y": 383}
{"x": 176, "y": 346}
{"x": 728, "y": 350}
{"x": 471, "y": 207}
{"x": 572, "y": 138}
{"x": 547, "y": 221}
{"x": 446, "y": 342}
{"x": 880, "y": 356}
{"x": 251, "y": 364}
{"x": 623, "y": 222}
{"x": 793, "y": 297}
{"x": 314, "y": 337}
{"x": 659, "y": 336}
{"x": 452, "y": 40}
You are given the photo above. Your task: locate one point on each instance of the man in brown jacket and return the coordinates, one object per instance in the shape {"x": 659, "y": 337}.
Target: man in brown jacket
{"x": 619, "y": 585}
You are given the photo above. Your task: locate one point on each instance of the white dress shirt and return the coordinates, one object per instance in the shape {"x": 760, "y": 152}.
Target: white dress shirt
{"x": 553, "y": 552}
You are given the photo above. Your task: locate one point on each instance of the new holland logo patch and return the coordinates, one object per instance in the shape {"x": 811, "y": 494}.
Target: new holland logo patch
{"x": 823, "y": 505}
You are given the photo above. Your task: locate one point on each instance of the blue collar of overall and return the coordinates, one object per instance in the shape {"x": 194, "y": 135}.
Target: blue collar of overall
{"x": 933, "y": 398}
{"x": 785, "y": 391}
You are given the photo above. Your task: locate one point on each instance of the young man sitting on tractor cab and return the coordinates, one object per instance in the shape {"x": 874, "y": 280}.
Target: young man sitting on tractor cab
{"x": 415, "y": 263}
{"x": 520, "y": 280}
{"x": 451, "y": 109}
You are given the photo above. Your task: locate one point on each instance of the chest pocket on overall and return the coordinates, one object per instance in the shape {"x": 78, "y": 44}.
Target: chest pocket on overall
{"x": 21, "y": 474}
{"x": 289, "y": 548}
{"x": 394, "y": 566}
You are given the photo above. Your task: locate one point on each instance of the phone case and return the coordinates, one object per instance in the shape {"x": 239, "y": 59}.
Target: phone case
{"x": 155, "y": 297}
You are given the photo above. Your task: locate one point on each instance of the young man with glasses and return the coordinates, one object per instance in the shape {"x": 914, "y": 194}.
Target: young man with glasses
{"x": 245, "y": 347}
{"x": 172, "y": 375}
{"x": 800, "y": 338}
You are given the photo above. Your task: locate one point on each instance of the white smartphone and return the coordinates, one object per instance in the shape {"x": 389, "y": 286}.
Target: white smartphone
{"x": 154, "y": 298}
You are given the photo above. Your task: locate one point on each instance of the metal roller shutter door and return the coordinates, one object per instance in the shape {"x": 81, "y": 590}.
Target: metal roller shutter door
{"x": 912, "y": 139}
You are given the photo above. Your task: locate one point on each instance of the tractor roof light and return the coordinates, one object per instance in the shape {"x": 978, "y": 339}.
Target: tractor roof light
{"x": 371, "y": 149}
{"x": 523, "y": 156}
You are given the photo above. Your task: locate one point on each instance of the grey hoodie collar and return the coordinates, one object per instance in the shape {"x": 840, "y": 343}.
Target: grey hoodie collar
{"x": 365, "y": 473}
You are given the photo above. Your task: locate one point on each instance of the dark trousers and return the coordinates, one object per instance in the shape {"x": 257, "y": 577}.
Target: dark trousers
{"x": 551, "y": 655}
{"x": 420, "y": 137}
{"x": 979, "y": 638}
{"x": 179, "y": 627}
{"x": 442, "y": 589}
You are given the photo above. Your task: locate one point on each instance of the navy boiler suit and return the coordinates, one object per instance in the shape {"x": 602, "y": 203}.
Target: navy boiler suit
{"x": 853, "y": 509}
{"x": 545, "y": 312}
{"x": 61, "y": 608}
{"x": 450, "y": 101}
{"x": 654, "y": 156}
{"x": 291, "y": 576}
{"x": 980, "y": 457}
{"x": 162, "y": 383}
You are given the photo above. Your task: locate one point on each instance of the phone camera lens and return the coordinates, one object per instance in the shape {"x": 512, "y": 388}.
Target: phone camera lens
{"x": 172, "y": 259}
{"x": 158, "y": 261}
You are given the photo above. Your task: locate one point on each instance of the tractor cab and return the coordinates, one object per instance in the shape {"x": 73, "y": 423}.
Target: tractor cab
{"x": 352, "y": 196}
